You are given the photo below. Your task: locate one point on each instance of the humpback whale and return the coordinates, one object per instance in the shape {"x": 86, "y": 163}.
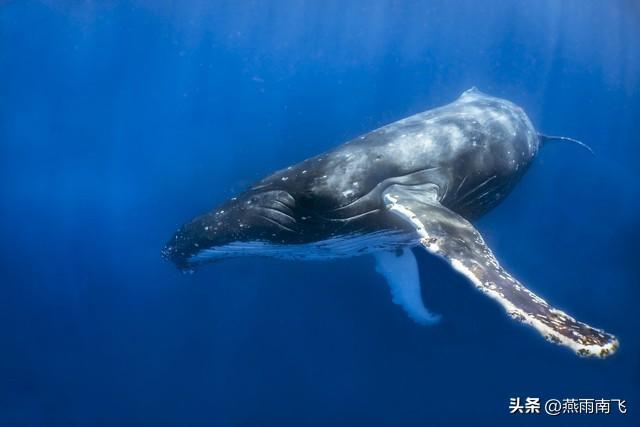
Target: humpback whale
{"x": 417, "y": 182}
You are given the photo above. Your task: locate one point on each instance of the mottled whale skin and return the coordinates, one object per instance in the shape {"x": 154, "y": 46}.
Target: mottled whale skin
{"x": 474, "y": 149}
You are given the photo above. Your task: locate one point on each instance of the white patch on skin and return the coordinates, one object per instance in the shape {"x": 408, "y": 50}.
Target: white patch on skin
{"x": 347, "y": 168}
{"x": 472, "y": 111}
{"x": 503, "y": 119}
{"x": 454, "y": 136}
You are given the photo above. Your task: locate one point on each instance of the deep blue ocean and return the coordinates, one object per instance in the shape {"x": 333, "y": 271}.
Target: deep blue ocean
{"x": 119, "y": 121}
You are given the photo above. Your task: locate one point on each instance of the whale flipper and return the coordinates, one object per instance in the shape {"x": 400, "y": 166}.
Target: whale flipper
{"x": 446, "y": 234}
{"x": 401, "y": 271}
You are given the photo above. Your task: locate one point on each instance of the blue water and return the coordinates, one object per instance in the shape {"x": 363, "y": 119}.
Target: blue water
{"x": 121, "y": 120}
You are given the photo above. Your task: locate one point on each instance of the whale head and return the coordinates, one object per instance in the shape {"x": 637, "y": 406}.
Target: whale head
{"x": 241, "y": 226}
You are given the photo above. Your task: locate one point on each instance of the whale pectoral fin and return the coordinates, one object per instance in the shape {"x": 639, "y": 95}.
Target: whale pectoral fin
{"x": 401, "y": 271}
{"x": 450, "y": 236}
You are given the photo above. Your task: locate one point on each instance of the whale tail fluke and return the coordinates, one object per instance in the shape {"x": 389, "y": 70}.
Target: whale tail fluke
{"x": 544, "y": 138}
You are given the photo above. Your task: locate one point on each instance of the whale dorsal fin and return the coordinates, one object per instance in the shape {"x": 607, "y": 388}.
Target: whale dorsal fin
{"x": 471, "y": 92}
{"x": 446, "y": 234}
{"x": 401, "y": 271}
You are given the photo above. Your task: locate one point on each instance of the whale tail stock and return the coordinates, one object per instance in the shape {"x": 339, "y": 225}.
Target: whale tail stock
{"x": 545, "y": 138}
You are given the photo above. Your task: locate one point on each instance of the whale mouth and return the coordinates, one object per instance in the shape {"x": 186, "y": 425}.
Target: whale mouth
{"x": 189, "y": 261}
{"x": 172, "y": 253}
{"x": 258, "y": 215}
{"x": 241, "y": 226}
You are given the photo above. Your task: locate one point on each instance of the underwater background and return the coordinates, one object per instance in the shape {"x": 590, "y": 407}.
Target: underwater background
{"x": 119, "y": 121}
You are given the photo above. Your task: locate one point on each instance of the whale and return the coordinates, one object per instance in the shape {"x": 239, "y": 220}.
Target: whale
{"x": 415, "y": 183}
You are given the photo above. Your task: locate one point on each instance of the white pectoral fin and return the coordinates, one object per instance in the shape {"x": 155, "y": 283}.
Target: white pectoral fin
{"x": 400, "y": 269}
{"x": 446, "y": 234}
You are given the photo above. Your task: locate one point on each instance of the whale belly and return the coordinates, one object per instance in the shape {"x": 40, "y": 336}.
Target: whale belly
{"x": 331, "y": 248}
